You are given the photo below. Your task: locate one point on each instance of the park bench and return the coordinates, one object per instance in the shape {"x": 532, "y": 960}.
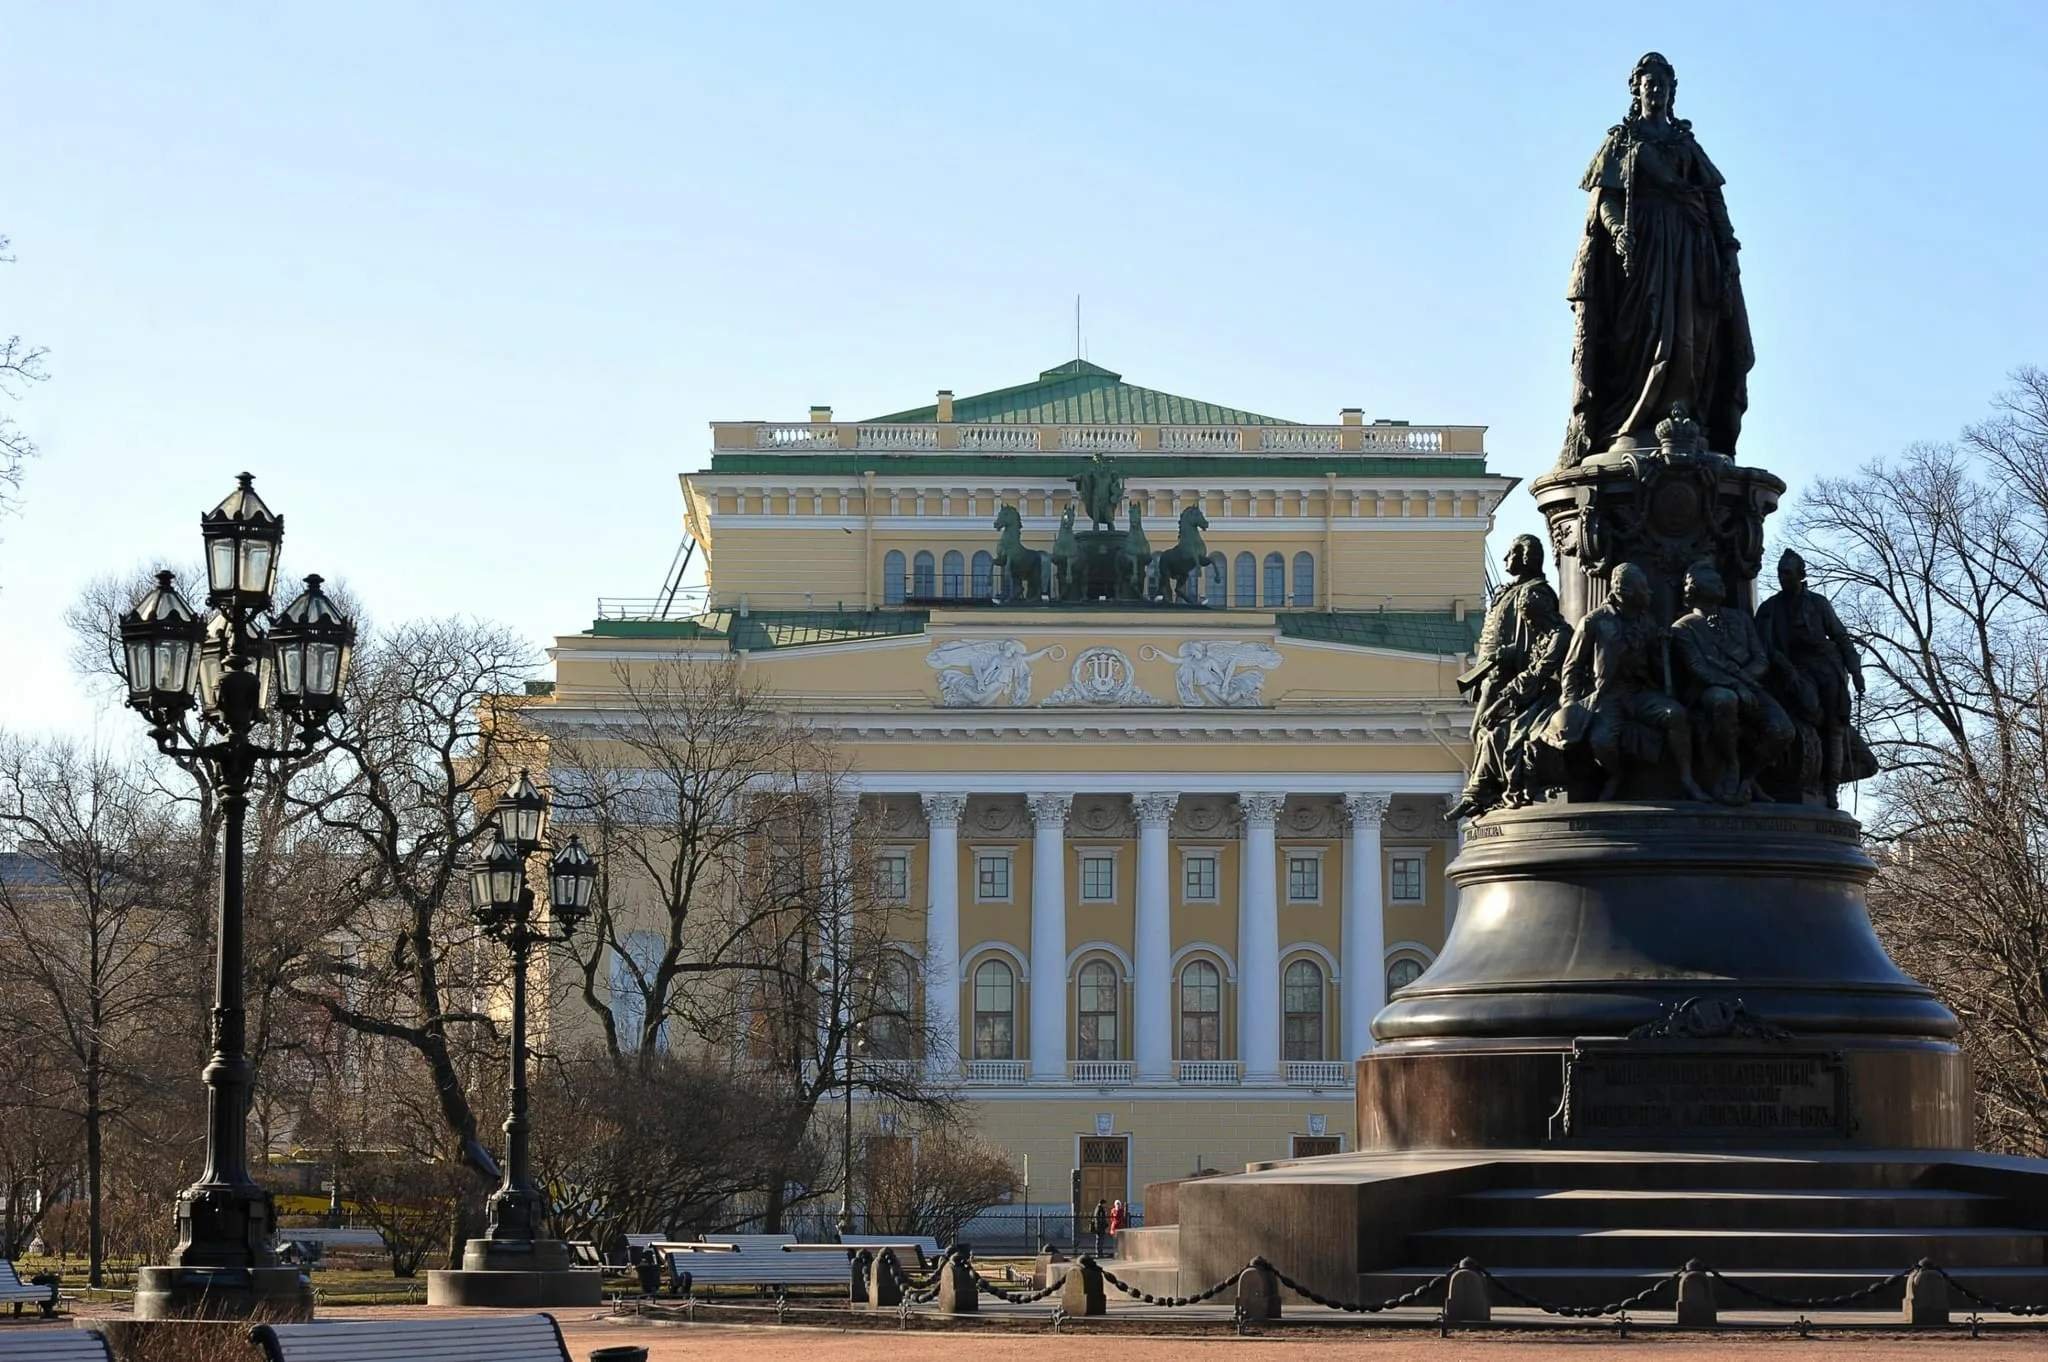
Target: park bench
{"x": 755, "y": 1260}
{"x": 17, "y": 1293}
{"x": 517, "y": 1338}
{"x": 54, "y": 1345}
{"x": 927, "y": 1246}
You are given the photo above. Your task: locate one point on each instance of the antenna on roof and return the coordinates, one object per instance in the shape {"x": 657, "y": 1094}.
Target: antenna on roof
{"x": 1077, "y": 326}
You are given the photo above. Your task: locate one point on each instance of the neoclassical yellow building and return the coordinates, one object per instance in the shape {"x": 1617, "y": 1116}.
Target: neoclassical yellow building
{"x": 1164, "y": 860}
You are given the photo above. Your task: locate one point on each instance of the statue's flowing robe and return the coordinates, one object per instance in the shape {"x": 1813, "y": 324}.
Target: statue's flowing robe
{"x": 1669, "y": 325}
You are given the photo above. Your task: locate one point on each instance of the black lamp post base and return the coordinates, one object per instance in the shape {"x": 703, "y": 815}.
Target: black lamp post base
{"x": 516, "y": 1272}
{"x": 256, "y": 1293}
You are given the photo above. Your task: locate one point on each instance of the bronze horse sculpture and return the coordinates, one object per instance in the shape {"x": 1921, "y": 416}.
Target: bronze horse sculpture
{"x": 1133, "y": 559}
{"x": 1067, "y": 558}
{"x": 1027, "y": 572}
{"x": 1179, "y": 565}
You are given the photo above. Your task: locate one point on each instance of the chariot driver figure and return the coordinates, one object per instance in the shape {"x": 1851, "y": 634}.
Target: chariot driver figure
{"x": 1505, "y": 642}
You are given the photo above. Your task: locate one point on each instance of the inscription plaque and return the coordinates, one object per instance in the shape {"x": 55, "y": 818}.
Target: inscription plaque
{"x": 1661, "y": 1091}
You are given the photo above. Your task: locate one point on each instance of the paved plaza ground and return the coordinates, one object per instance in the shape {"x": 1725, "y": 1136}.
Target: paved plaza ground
{"x": 1017, "y": 1335}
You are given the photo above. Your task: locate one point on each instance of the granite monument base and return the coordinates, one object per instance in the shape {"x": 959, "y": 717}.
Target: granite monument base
{"x": 225, "y": 1293}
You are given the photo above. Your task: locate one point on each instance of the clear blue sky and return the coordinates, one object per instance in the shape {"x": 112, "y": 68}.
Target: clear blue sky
{"x": 463, "y": 284}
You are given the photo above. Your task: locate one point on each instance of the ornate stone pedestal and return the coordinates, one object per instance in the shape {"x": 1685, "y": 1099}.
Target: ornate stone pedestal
{"x": 225, "y": 1293}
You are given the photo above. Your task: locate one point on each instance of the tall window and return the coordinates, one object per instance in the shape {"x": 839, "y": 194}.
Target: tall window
{"x": 995, "y": 1011}
{"x": 983, "y": 579}
{"x": 632, "y": 973}
{"x": 892, "y": 873}
{"x": 1215, "y": 594}
{"x": 1403, "y": 972}
{"x": 954, "y": 574}
{"x": 992, "y": 877}
{"x": 923, "y": 574}
{"x": 893, "y": 1020}
{"x": 1201, "y": 1011}
{"x": 1198, "y": 879}
{"x": 1404, "y": 879}
{"x": 893, "y": 581}
{"x": 1244, "y": 586}
{"x": 1304, "y": 879}
{"x": 1276, "y": 580}
{"x": 1304, "y": 580}
{"x": 1302, "y": 987}
{"x": 1096, "y": 1036}
{"x": 1098, "y": 879}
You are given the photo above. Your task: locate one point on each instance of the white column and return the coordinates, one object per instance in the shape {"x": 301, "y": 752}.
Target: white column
{"x": 1049, "y": 937}
{"x": 942, "y": 934}
{"x": 1258, "y": 942}
{"x": 1153, "y": 985}
{"x": 1365, "y": 922}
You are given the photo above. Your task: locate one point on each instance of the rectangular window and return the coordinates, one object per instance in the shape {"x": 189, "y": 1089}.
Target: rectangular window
{"x": 1404, "y": 879}
{"x": 895, "y": 875}
{"x": 1198, "y": 879}
{"x": 1304, "y": 879}
{"x": 992, "y": 878}
{"x": 1098, "y": 879}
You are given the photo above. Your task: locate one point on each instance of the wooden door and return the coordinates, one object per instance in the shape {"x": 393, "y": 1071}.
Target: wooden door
{"x": 1105, "y": 1171}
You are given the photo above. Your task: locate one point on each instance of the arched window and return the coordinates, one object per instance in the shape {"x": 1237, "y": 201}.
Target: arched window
{"x": 632, "y": 976}
{"x": 1276, "y": 580}
{"x": 1201, "y": 1011}
{"x": 893, "y": 580}
{"x": 1302, "y": 990}
{"x": 923, "y": 574}
{"x": 1215, "y": 591}
{"x": 1096, "y": 1036}
{"x": 892, "y": 1018}
{"x": 984, "y": 577}
{"x": 1244, "y": 587}
{"x": 1404, "y": 971}
{"x": 1304, "y": 580}
{"x": 995, "y": 1011}
{"x": 953, "y": 575}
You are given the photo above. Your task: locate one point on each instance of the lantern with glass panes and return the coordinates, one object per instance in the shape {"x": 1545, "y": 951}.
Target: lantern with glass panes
{"x": 502, "y": 902}
{"x": 234, "y": 665}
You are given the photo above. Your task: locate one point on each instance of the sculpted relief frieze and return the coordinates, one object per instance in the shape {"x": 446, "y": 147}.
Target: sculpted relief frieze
{"x": 1207, "y": 674}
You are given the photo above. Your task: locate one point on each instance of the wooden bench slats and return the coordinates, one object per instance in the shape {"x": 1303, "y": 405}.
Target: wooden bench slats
{"x": 927, "y": 1245}
{"x": 53, "y": 1345}
{"x": 522, "y": 1338}
{"x": 759, "y": 1262}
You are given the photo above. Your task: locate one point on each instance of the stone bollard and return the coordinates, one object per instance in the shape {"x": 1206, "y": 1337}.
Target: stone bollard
{"x": 857, "y": 1267}
{"x": 1926, "y": 1296}
{"x": 1696, "y": 1305}
{"x": 1041, "y": 1271}
{"x": 958, "y": 1294}
{"x": 1258, "y": 1291}
{"x": 1081, "y": 1292}
{"x": 1465, "y": 1298}
{"x": 885, "y": 1286}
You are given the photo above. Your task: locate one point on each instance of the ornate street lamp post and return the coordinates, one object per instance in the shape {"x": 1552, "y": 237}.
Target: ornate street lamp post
{"x": 512, "y": 1264}
{"x": 237, "y": 668}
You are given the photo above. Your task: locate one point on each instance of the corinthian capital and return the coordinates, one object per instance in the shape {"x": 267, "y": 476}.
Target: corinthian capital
{"x": 1260, "y": 809}
{"x": 945, "y": 807}
{"x": 1366, "y": 810}
{"x": 1154, "y": 809}
{"x": 1050, "y": 810}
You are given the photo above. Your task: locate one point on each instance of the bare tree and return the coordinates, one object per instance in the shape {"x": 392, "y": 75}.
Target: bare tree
{"x": 1938, "y": 562}
{"x": 21, "y": 364}
{"x": 89, "y": 948}
{"x": 931, "y": 1181}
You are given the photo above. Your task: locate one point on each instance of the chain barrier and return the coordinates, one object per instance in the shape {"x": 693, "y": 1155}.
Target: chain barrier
{"x": 1316, "y": 1297}
{"x": 1012, "y": 1297}
{"x": 1618, "y": 1308}
{"x": 1804, "y": 1303}
{"x": 912, "y": 1290}
{"x": 1983, "y": 1302}
{"x": 1171, "y": 1302}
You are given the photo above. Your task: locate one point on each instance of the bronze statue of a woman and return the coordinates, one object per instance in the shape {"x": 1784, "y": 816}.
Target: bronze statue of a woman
{"x": 1661, "y": 327}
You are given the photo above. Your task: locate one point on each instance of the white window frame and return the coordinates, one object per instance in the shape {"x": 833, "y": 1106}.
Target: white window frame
{"x": 1421, "y": 894}
{"x": 1082, "y": 856}
{"x": 1008, "y": 855}
{"x": 1213, "y": 855}
{"x": 901, "y": 855}
{"x": 1289, "y": 855}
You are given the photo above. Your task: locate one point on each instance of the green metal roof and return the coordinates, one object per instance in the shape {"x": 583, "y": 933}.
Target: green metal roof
{"x": 1081, "y": 393}
{"x": 1436, "y": 632}
{"x": 1131, "y": 465}
{"x": 766, "y": 630}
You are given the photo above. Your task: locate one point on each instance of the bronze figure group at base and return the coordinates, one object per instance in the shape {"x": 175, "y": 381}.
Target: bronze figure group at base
{"x": 1718, "y": 705}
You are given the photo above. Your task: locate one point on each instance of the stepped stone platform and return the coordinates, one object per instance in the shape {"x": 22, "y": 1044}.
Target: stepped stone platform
{"x": 1590, "y": 1226}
